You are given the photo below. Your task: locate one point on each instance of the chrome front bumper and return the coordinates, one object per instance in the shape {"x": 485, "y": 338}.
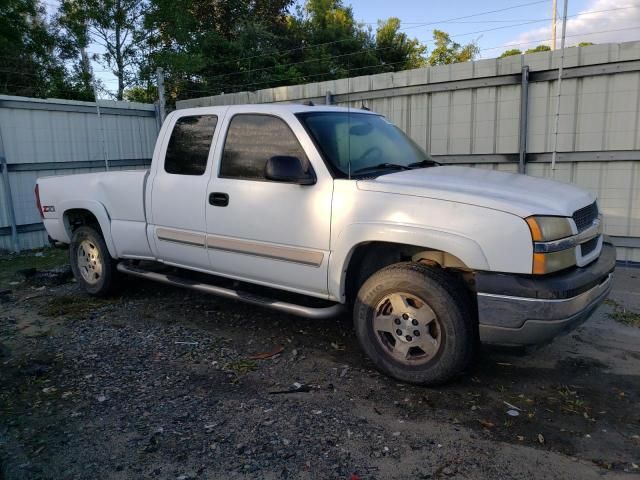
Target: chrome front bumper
{"x": 549, "y": 311}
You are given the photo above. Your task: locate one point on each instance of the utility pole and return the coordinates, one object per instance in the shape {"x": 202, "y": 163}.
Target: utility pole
{"x": 102, "y": 134}
{"x": 94, "y": 84}
{"x": 554, "y": 21}
{"x": 555, "y": 129}
{"x": 161, "y": 100}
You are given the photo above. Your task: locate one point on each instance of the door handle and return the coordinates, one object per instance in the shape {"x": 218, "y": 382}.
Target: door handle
{"x": 219, "y": 199}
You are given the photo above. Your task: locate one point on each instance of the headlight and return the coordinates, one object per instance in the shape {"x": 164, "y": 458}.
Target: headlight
{"x": 544, "y": 229}
{"x": 548, "y": 229}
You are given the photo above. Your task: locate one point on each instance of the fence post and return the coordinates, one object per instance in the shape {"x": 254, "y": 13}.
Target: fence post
{"x": 328, "y": 98}
{"x": 8, "y": 198}
{"x": 161, "y": 100}
{"x": 524, "y": 106}
{"x": 104, "y": 140}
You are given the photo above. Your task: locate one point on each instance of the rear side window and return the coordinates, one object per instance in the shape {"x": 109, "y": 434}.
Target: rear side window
{"x": 189, "y": 145}
{"x": 253, "y": 139}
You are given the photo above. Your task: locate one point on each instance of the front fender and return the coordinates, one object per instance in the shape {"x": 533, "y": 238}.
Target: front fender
{"x": 466, "y": 249}
{"x": 99, "y": 211}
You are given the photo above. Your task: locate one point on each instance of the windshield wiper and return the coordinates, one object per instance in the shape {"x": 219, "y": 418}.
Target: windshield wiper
{"x": 382, "y": 166}
{"x": 427, "y": 162}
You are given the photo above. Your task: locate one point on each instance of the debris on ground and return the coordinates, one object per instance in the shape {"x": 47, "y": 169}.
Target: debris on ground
{"x": 264, "y": 355}
{"x": 164, "y": 383}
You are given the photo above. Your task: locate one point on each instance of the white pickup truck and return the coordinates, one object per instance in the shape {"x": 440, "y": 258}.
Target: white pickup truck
{"x": 333, "y": 208}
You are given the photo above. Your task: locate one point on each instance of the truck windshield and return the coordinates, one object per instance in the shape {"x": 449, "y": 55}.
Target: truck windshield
{"x": 357, "y": 144}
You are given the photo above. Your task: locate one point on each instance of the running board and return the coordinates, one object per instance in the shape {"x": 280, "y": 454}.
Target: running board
{"x": 292, "y": 308}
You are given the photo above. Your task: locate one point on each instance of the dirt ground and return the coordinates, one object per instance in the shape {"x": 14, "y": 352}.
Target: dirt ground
{"x": 160, "y": 383}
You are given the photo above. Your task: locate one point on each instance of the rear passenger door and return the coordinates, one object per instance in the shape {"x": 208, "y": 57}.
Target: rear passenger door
{"x": 263, "y": 231}
{"x": 178, "y": 196}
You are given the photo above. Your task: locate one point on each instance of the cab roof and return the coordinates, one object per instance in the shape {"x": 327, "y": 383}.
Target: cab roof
{"x": 270, "y": 108}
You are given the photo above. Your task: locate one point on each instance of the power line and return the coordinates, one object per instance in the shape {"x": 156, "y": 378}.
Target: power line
{"x": 479, "y": 14}
{"x": 379, "y": 49}
{"x": 302, "y": 47}
{"x": 358, "y": 52}
{"x": 590, "y": 12}
{"x": 306, "y": 77}
{"x": 548, "y": 39}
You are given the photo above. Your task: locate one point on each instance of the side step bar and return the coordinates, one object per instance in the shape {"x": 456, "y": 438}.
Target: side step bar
{"x": 292, "y": 308}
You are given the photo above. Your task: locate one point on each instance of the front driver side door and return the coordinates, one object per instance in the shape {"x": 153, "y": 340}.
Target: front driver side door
{"x": 267, "y": 232}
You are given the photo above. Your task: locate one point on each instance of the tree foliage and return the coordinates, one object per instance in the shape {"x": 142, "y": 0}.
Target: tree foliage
{"x": 205, "y": 47}
{"x": 510, "y": 53}
{"x": 30, "y": 53}
{"x": 539, "y": 48}
{"x": 447, "y": 51}
{"x": 115, "y": 26}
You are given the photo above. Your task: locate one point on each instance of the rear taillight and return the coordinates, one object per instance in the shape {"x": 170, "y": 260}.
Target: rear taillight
{"x": 37, "y": 192}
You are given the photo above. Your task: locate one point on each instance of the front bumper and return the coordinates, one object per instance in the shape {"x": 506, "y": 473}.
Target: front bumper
{"x": 520, "y": 310}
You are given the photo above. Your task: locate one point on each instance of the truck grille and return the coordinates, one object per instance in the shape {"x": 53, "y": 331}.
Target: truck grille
{"x": 589, "y": 246}
{"x": 585, "y": 216}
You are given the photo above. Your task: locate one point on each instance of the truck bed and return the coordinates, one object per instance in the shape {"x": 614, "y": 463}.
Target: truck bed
{"x": 119, "y": 193}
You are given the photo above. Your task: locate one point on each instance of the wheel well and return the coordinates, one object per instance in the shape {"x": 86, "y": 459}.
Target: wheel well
{"x": 368, "y": 258}
{"x": 78, "y": 217}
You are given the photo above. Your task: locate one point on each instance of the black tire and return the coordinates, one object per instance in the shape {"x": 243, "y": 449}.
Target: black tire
{"x": 450, "y": 336}
{"x": 99, "y": 267}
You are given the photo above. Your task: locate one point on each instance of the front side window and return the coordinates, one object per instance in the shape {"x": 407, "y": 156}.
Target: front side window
{"x": 253, "y": 139}
{"x": 362, "y": 143}
{"x": 189, "y": 145}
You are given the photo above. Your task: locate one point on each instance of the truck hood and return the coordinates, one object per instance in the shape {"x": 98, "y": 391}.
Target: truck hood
{"x": 514, "y": 193}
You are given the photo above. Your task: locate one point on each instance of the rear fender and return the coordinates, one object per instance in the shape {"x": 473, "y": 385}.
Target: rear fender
{"x": 99, "y": 211}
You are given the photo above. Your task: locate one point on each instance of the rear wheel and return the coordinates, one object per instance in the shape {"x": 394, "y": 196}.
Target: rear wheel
{"x": 91, "y": 262}
{"x": 415, "y": 323}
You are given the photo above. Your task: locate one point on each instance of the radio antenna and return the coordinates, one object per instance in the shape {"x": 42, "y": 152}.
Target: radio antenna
{"x": 349, "y": 116}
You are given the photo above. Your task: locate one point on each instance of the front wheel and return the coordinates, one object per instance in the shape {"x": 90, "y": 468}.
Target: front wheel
{"x": 91, "y": 262}
{"x": 415, "y": 323}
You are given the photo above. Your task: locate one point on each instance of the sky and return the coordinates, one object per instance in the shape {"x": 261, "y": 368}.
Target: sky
{"x": 496, "y": 25}
{"x": 524, "y": 23}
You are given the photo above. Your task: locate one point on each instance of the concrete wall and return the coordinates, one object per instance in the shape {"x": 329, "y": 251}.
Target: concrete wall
{"x": 55, "y": 137}
{"x": 469, "y": 113}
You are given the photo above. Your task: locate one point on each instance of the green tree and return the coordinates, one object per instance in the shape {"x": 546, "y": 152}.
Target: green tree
{"x": 539, "y": 48}
{"x": 585, "y": 44}
{"x": 235, "y": 45}
{"x": 30, "y": 54}
{"x": 207, "y": 48}
{"x": 396, "y": 49}
{"x": 114, "y": 25}
{"x": 74, "y": 39}
{"x": 447, "y": 51}
{"x": 509, "y": 53}
{"x": 141, "y": 94}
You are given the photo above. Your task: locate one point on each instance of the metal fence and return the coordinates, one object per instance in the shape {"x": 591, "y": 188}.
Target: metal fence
{"x": 471, "y": 113}
{"x": 468, "y": 113}
{"x": 54, "y": 137}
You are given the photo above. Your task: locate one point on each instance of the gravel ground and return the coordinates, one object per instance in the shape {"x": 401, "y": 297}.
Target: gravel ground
{"x": 160, "y": 382}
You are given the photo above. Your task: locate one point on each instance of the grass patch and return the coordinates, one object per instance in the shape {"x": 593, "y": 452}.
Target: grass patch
{"x": 242, "y": 367}
{"x": 622, "y": 315}
{"x": 43, "y": 259}
{"x": 74, "y": 305}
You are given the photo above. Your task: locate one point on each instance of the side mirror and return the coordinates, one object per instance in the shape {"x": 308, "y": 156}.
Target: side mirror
{"x": 282, "y": 168}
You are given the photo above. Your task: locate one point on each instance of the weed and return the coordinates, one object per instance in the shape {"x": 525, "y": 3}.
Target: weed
{"x": 74, "y": 305}
{"x": 622, "y": 315}
{"x": 242, "y": 367}
{"x": 46, "y": 258}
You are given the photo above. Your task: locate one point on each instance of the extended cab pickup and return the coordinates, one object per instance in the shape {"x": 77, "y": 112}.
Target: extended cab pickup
{"x": 334, "y": 208}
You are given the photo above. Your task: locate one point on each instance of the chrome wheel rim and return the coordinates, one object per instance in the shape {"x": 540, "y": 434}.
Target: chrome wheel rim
{"x": 89, "y": 262}
{"x": 407, "y": 327}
